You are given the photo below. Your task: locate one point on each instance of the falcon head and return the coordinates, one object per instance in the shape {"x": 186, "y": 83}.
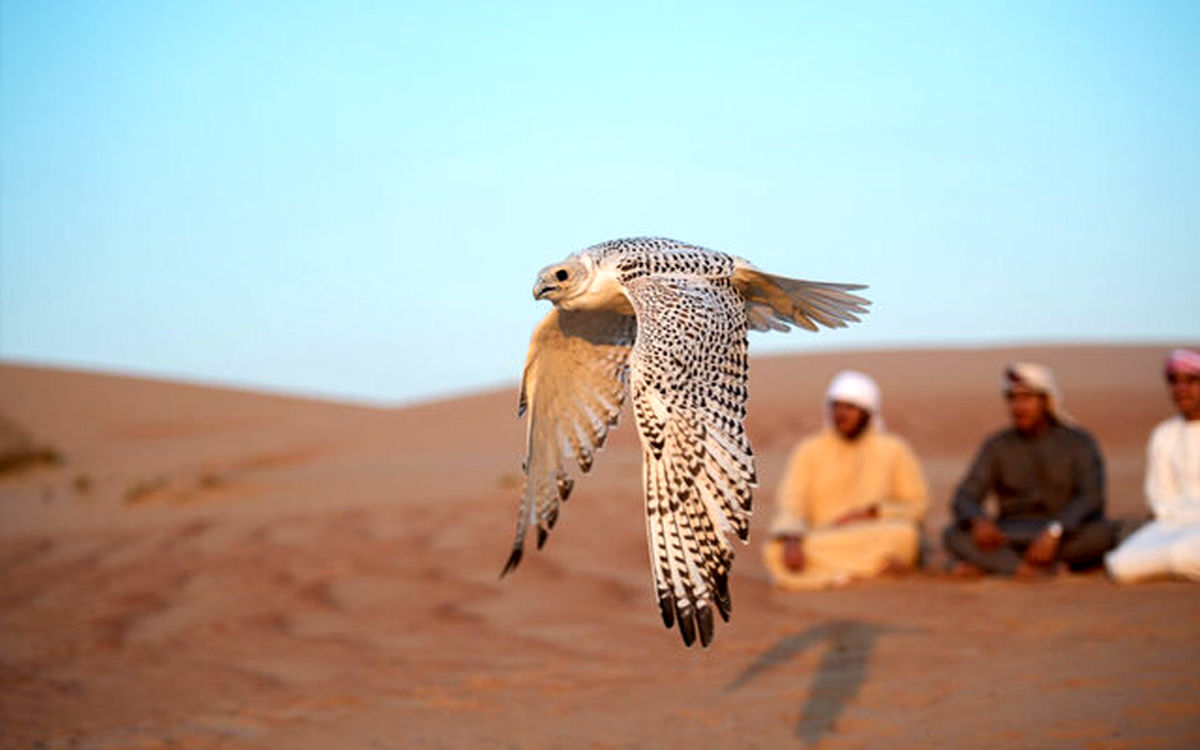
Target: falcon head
{"x": 563, "y": 281}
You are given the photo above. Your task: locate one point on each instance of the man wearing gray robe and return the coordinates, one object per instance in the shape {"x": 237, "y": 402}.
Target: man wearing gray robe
{"x": 1047, "y": 476}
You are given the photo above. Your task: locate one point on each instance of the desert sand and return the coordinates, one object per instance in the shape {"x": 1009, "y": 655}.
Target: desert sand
{"x": 184, "y": 566}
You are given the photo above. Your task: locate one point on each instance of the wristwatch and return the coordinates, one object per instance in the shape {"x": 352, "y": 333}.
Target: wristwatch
{"x": 1055, "y": 529}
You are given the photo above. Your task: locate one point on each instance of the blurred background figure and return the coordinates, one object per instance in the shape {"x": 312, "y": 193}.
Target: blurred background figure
{"x": 852, "y": 498}
{"x": 1047, "y": 475}
{"x": 1170, "y": 544}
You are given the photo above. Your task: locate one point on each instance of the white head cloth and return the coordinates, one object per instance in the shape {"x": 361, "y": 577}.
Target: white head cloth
{"x": 1039, "y": 379}
{"x": 852, "y": 387}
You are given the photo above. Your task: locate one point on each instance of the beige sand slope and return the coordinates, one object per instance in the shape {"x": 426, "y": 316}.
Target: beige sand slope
{"x": 208, "y": 568}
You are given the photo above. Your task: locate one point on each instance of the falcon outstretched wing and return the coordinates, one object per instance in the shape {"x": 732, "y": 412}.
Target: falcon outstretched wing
{"x": 573, "y": 387}
{"x": 776, "y": 302}
{"x": 688, "y": 379}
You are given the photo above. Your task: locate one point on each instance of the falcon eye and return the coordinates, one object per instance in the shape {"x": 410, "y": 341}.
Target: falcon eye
{"x": 560, "y": 274}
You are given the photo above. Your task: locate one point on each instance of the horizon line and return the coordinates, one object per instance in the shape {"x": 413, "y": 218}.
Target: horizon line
{"x": 343, "y": 399}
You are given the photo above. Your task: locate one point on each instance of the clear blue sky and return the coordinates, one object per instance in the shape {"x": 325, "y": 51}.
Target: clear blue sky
{"x": 352, "y": 199}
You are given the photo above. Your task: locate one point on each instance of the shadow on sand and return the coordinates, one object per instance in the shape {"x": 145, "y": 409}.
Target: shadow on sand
{"x": 840, "y": 675}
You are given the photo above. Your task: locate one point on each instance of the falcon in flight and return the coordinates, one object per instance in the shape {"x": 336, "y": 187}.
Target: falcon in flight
{"x": 667, "y": 322}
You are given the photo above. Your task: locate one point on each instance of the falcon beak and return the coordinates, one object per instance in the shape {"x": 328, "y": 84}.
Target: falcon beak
{"x": 542, "y": 288}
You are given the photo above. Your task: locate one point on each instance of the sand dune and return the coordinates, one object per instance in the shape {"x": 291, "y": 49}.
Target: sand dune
{"x": 210, "y": 568}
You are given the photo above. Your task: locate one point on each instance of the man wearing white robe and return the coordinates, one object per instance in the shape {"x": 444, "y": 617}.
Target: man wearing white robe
{"x": 1169, "y": 546}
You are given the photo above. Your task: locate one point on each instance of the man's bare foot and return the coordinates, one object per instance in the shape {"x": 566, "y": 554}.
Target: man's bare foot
{"x": 1029, "y": 572}
{"x": 965, "y": 570}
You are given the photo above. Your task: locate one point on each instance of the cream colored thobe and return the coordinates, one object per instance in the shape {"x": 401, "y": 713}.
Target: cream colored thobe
{"x": 828, "y": 477}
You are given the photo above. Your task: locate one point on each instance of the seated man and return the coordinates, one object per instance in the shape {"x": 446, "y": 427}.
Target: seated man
{"x": 1170, "y": 544}
{"x": 1048, "y": 479}
{"x": 852, "y": 499}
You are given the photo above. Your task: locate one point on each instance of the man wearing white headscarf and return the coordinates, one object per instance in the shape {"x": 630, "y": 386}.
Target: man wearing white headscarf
{"x": 1169, "y": 546}
{"x": 1047, "y": 476}
{"x": 852, "y": 498}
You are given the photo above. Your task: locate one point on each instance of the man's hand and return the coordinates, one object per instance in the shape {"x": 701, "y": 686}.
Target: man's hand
{"x": 854, "y": 516}
{"x": 793, "y": 553}
{"x": 1043, "y": 550}
{"x": 986, "y": 534}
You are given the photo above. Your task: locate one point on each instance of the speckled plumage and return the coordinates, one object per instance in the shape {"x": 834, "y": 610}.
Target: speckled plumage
{"x": 666, "y": 321}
